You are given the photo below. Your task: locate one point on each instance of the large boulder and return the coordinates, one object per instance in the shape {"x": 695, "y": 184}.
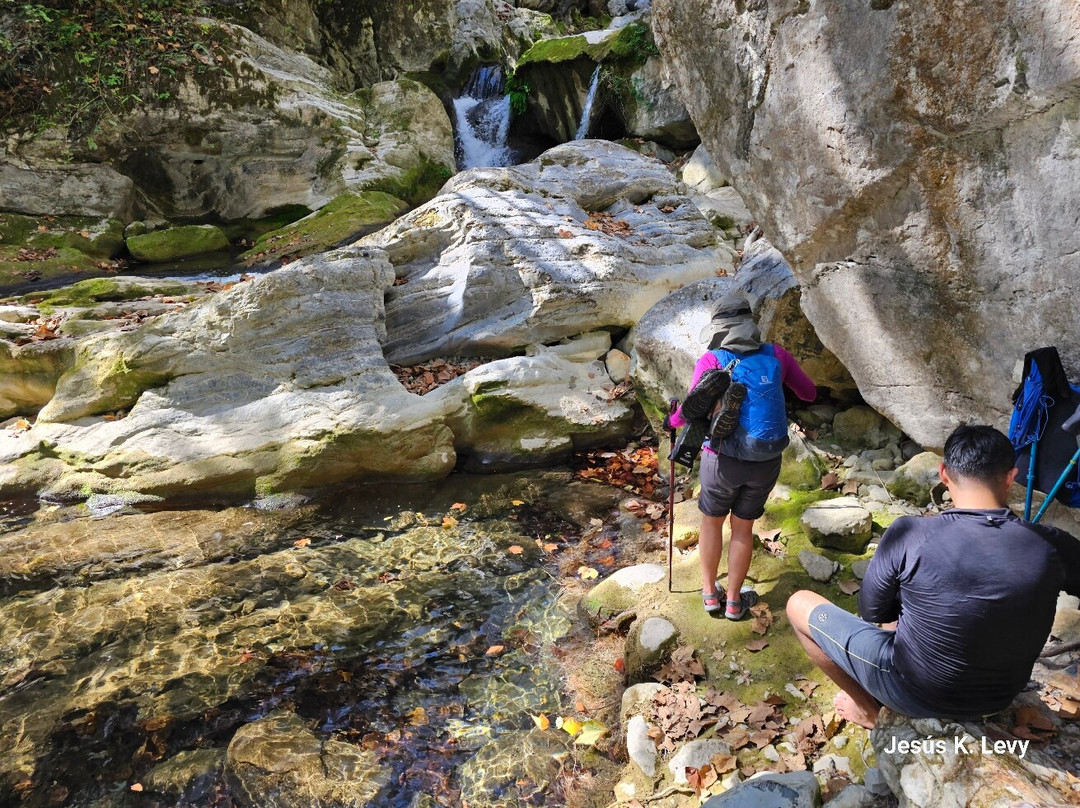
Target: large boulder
{"x": 588, "y": 231}
{"x": 654, "y": 109}
{"x": 268, "y": 130}
{"x": 923, "y": 191}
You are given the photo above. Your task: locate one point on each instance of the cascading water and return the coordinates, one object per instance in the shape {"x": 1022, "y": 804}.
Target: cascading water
{"x": 482, "y": 113}
{"x": 586, "y": 112}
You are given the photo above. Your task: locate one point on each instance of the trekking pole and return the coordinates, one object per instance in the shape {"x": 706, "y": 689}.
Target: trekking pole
{"x": 672, "y": 406}
{"x": 1072, "y": 426}
{"x": 1030, "y": 478}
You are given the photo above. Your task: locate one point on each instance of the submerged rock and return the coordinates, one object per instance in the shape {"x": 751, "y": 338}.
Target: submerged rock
{"x": 277, "y": 762}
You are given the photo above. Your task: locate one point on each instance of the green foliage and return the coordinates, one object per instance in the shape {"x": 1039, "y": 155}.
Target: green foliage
{"x": 634, "y": 44}
{"x": 71, "y": 62}
{"x": 519, "y": 91}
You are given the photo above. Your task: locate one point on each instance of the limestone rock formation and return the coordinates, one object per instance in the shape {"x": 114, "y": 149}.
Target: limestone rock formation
{"x": 269, "y": 131}
{"x": 913, "y": 161}
{"x": 962, "y": 765}
{"x": 589, "y": 231}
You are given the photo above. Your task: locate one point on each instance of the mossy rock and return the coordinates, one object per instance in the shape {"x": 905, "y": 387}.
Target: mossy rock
{"x": 177, "y": 243}
{"x": 619, "y": 591}
{"x": 16, "y": 272}
{"x": 631, "y": 43}
{"x": 99, "y": 290}
{"x": 347, "y": 216}
{"x": 417, "y": 185}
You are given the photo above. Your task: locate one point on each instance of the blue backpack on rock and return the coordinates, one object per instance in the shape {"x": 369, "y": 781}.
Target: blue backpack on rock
{"x": 761, "y": 433}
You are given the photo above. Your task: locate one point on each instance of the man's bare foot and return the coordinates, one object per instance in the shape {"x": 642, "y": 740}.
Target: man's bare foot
{"x": 849, "y": 710}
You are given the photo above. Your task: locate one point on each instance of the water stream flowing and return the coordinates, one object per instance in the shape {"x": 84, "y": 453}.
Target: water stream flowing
{"x": 482, "y": 118}
{"x": 586, "y": 111}
{"x": 131, "y": 643}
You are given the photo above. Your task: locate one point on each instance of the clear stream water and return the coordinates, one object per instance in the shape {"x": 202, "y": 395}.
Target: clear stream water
{"x": 367, "y": 614}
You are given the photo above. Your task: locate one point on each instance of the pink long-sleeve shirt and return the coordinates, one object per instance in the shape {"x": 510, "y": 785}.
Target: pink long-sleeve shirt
{"x": 793, "y": 376}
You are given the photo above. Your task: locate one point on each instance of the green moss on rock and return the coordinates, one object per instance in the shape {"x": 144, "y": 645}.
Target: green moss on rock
{"x": 347, "y": 216}
{"x": 417, "y": 185}
{"x": 99, "y": 290}
{"x": 177, "y": 242}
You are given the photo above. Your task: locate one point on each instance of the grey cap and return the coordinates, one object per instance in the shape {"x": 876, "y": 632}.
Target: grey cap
{"x": 732, "y": 323}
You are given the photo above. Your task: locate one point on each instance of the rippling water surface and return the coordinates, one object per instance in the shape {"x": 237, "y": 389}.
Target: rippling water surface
{"x": 133, "y": 647}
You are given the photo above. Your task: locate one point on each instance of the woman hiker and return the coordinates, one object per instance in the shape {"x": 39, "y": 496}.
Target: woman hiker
{"x": 739, "y": 470}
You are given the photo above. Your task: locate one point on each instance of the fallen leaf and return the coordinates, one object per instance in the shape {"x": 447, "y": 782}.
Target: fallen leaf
{"x": 458, "y": 506}
{"x": 418, "y": 717}
{"x": 570, "y": 725}
{"x": 515, "y": 549}
{"x": 136, "y": 786}
{"x": 517, "y": 502}
{"x": 724, "y": 763}
{"x": 448, "y": 522}
{"x": 495, "y": 650}
{"x": 580, "y": 706}
{"x": 830, "y": 481}
{"x": 587, "y": 573}
{"x": 761, "y": 618}
{"x": 564, "y": 233}
{"x": 620, "y": 665}
{"x": 550, "y": 547}
{"x": 591, "y": 732}
{"x": 849, "y": 487}
{"x": 304, "y": 542}
{"x": 153, "y": 70}
{"x": 849, "y": 586}
{"x": 757, "y": 645}
{"x": 542, "y": 721}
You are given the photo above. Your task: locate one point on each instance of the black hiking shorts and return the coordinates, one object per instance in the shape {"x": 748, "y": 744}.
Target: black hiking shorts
{"x": 741, "y": 487}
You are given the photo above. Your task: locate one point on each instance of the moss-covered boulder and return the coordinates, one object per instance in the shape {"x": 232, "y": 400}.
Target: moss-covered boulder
{"x": 177, "y": 243}
{"x": 619, "y": 591}
{"x": 99, "y": 290}
{"x": 650, "y": 640}
{"x": 915, "y": 480}
{"x": 347, "y": 216}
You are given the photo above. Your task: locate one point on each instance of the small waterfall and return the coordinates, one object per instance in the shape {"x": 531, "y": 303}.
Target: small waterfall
{"x": 586, "y": 112}
{"x": 482, "y": 113}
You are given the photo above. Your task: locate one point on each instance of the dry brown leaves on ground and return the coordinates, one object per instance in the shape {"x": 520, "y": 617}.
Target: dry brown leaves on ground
{"x": 608, "y": 224}
{"x": 26, "y": 254}
{"x": 682, "y": 666}
{"x": 632, "y": 469}
{"x": 425, "y": 377}
{"x": 46, "y": 328}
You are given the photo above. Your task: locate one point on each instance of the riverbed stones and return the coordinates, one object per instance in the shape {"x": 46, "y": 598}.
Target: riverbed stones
{"x": 842, "y": 524}
{"x": 188, "y": 776}
{"x": 915, "y": 480}
{"x": 649, "y": 642}
{"x": 957, "y": 770}
{"x": 788, "y": 790}
{"x": 640, "y": 747}
{"x": 177, "y": 242}
{"x": 858, "y": 568}
{"x": 818, "y": 566}
{"x": 637, "y": 698}
{"x": 513, "y": 768}
{"x": 863, "y": 427}
{"x": 278, "y": 762}
{"x": 695, "y": 755}
{"x": 589, "y": 235}
{"x": 619, "y": 591}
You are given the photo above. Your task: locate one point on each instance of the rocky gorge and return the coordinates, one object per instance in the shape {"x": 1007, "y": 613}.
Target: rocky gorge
{"x": 331, "y": 460}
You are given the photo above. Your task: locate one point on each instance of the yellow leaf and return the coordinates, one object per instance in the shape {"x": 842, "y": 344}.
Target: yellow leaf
{"x": 517, "y": 502}
{"x": 587, "y": 573}
{"x": 515, "y": 549}
{"x": 571, "y": 725}
{"x": 541, "y": 721}
{"x": 591, "y": 732}
{"x": 418, "y": 717}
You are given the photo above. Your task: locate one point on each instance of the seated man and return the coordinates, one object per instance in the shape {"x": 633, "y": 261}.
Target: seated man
{"x": 973, "y": 592}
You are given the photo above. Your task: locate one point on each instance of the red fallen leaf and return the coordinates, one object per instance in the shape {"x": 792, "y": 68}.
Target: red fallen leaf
{"x": 458, "y": 506}
{"x": 830, "y": 481}
{"x": 724, "y": 763}
{"x": 495, "y": 650}
{"x": 304, "y": 542}
{"x": 757, "y": 645}
{"x": 620, "y": 665}
{"x": 564, "y": 234}
{"x": 849, "y": 487}
{"x": 515, "y": 549}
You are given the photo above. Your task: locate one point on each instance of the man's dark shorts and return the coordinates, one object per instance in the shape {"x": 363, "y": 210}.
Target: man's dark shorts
{"x": 740, "y": 487}
{"x": 865, "y": 652}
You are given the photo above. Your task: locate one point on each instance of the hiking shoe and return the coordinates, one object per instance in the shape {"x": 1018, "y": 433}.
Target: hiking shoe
{"x": 737, "y": 609}
{"x": 713, "y": 601}
{"x": 700, "y": 401}
{"x": 725, "y": 421}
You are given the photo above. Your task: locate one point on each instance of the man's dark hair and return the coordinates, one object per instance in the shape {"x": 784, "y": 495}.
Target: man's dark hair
{"x": 979, "y": 453}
